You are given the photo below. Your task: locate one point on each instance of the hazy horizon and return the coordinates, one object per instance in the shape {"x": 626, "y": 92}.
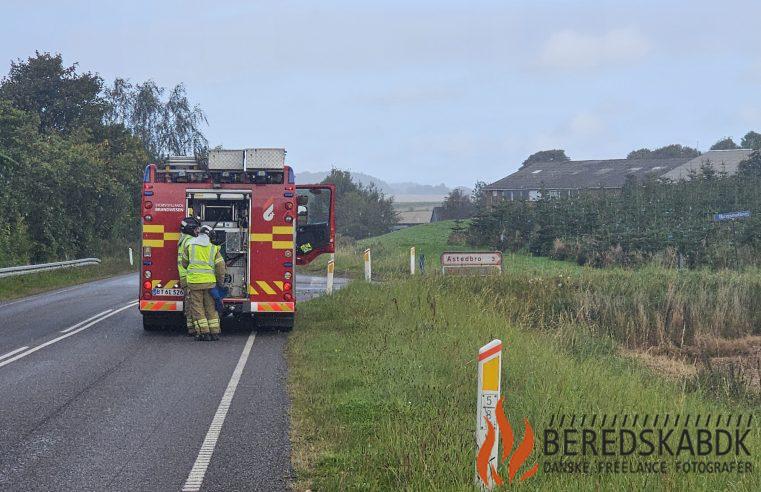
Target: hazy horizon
{"x": 427, "y": 92}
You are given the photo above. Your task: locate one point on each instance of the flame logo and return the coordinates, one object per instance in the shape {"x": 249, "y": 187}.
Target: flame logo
{"x": 514, "y": 461}
{"x": 269, "y": 210}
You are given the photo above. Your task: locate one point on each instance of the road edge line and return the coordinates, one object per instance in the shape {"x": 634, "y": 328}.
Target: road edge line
{"x": 198, "y": 472}
{"x": 85, "y": 321}
{"x": 67, "y": 335}
{"x": 13, "y": 352}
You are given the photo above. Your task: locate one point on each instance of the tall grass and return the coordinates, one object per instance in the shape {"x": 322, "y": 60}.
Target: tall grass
{"x": 638, "y": 308}
{"x": 383, "y": 382}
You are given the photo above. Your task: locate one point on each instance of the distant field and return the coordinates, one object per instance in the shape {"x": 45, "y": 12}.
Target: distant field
{"x": 413, "y": 206}
{"x": 437, "y": 199}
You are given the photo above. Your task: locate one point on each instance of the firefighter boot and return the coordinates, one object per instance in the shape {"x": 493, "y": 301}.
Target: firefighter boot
{"x": 214, "y": 327}
{"x": 202, "y": 330}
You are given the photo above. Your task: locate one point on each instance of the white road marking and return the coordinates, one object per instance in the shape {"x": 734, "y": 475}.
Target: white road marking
{"x": 197, "y": 473}
{"x": 12, "y": 352}
{"x": 67, "y": 335}
{"x": 85, "y": 321}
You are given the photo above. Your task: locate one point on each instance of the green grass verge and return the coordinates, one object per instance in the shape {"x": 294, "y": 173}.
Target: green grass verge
{"x": 383, "y": 384}
{"x": 391, "y": 253}
{"x": 35, "y": 283}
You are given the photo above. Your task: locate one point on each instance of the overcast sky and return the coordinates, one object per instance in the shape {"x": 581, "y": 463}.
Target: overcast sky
{"x": 431, "y": 92}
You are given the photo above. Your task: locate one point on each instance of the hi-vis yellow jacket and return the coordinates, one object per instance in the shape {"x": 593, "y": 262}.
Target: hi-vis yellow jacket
{"x": 203, "y": 262}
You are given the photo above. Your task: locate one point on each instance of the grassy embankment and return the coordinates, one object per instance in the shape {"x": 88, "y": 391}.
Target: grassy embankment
{"x": 35, "y": 283}
{"x": 391, "y": 254}
{"x": 383, "y": 376}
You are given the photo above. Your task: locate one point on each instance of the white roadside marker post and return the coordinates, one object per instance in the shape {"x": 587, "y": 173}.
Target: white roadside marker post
{"x": 131, "y": 262}
{"x": 489, "y": 380}
{"x": 412, "y": 260}
{"x": 368, "y": 265}
{"x": 331, "y": 269}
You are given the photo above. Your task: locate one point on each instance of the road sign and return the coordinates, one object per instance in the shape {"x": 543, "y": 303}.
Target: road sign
{"x": 742, "y": 214}
{"x": 489, "y": 381}
{"x": 471, "y": 262}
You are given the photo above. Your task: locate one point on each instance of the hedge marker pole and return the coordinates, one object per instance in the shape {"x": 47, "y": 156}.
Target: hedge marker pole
{"x": 489, "y": 379}
{"x": 412, "y": 260}
{"x": 331, "y": 268}
{"x": 368, "y": 265}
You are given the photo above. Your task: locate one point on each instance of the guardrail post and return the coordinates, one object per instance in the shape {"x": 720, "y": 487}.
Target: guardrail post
{"x": 412, "y": 260}
{"x": 368, "y": 265}
{"x": 331, "y": 269}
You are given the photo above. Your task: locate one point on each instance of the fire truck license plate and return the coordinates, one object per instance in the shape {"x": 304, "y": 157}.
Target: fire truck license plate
{"x": 168, "y": 292}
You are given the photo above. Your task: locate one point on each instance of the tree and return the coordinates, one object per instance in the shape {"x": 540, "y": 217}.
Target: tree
{"x": 555, "y": 155}
{"x": 665, "y": 152}
{"x": 751, "y": 167}
{"x": 457, "y": 205}
{"x": 725, "y": 143}
{"x": 478, "y": 197}
{"x": 63, "y": 99}
{"x": 361, "y": 211}
{"x": 165, "y": 127}
{"x": 751, "y": 140}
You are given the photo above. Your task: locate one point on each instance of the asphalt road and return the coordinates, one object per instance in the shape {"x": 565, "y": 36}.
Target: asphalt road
{"x": 104, "y": 405}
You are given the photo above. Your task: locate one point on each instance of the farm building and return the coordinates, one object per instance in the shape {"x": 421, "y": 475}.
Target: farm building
{"x": 720, "y": 160}
{"x": 571, "y": 177}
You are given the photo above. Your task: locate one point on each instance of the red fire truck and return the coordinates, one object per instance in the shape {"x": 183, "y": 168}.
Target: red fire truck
{"x": 264, "y": 222}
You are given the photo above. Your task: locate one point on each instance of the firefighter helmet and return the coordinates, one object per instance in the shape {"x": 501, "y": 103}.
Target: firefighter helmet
{"x": 189, "y": 224}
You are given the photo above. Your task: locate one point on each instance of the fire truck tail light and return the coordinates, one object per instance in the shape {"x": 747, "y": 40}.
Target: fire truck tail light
{"x": 148, "y": 217}
{"x": 147, "y": 274}
{"x": 288, "y": 253}
{"x": 148, "y": 193}
{"x": 288, "y": 205}
{"x": 289, "y": 218}
{"x": 287, "y": 296}
{"x": 148, "y": 205}
{"x": 147, "y": 285}
{"x": 287, "y": 286}
{"x": 147, "y": 295}
{"x": 147, "y": 251}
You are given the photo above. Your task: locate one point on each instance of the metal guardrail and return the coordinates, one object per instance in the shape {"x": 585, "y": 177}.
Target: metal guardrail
{"x": 42, "y": 267}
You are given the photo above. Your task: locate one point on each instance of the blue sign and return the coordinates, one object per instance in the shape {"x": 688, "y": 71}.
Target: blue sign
{"x": 743, "y": 214}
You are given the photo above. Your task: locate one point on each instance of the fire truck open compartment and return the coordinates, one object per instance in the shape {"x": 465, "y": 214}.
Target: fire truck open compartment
{"x": 227, "y": 213}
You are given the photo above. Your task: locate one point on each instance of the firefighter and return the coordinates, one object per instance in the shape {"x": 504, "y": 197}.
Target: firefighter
{"x": 189, "y": 228}
{"x": 205, "y": 269}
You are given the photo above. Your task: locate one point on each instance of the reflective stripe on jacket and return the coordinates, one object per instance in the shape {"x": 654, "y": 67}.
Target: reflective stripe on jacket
{"x": 201, "y": 263}
{"x": 180, "y": 245}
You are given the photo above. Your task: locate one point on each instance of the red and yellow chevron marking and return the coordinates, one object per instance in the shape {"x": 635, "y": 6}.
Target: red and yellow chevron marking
{"x": 160, "y": 306}
{"x": 168, "y": 285}
{"x": 270, "y": 307}
{"x": 268, "y": 287}
{"x": 281, "y": 242}
{"x": 155, "y": 237}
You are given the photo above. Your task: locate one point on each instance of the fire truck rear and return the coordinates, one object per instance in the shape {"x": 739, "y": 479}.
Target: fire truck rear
{"x": 264, "y": 223}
